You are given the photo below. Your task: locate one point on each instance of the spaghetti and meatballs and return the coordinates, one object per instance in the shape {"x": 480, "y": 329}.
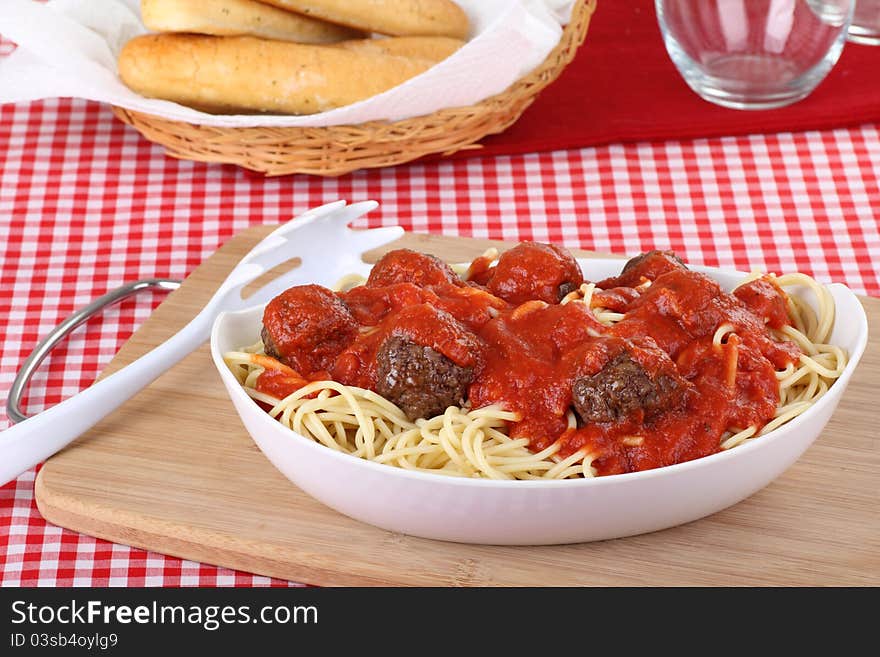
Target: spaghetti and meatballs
{"x": 519, "y": 368}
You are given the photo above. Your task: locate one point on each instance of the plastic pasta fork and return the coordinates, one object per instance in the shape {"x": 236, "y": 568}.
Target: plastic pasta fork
{"x": 320, "y": 238}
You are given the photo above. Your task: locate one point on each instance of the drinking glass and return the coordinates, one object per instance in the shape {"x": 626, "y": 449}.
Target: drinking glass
{"x": 754, "y": 54}
{"x": 865, "y": 27}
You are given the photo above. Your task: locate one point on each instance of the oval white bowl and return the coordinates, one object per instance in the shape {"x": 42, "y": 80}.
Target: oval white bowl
{"x": 536, "y": 512}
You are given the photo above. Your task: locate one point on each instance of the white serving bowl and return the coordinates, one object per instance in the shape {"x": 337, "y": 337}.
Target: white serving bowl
{"x": 536, "y": 512}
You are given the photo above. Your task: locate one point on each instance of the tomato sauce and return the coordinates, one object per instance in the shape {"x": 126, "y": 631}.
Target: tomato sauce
{"x": 526, "y": 349}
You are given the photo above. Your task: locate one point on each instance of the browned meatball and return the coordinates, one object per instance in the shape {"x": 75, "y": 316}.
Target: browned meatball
{"x": 306, "y": 327}
{"x": 654, "y": 260}
{"x": 418, "y": 379}
{"x": 649, "y": 265}
{"x": 621, "y": 388}
{"x": 407, "y": 266}
{"x": 269, "y": 344}
{"x": 532, "y": 270}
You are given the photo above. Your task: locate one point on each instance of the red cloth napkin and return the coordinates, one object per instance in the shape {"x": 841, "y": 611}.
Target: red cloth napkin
{"x": 622, "y": 86}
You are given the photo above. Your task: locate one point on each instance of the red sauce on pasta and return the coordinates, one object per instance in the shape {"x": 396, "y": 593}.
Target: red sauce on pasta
{"x": 674, "y": 391}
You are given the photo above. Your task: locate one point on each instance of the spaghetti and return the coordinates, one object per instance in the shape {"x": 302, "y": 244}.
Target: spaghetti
{"x": 500, "y": 439}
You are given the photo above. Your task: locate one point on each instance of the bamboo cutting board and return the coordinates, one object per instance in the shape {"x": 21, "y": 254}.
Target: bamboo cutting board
{"x": 177, "y": 473}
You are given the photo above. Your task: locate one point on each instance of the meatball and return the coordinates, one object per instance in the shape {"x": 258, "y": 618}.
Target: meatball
{"x": 623, "y": 387}
{"x": 532, "y": 270}
{"x": 269, "y": 344}
{"x": 420, "y": 380}
{"x": 306, "y": 327}
{"x": 407, "y": 266}
{"x": 654, "y": 260}
{"x": 650, "y": 265}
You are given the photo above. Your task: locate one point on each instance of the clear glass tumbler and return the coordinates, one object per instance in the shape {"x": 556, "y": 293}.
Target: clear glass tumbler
{"x": 865, "y": 27}
{"x": 754, "y": 54}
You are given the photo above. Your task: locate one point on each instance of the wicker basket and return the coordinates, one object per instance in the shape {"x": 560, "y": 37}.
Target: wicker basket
{"x": 337, "y": 150}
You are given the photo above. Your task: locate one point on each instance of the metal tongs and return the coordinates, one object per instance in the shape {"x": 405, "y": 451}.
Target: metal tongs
{"x": 320, "y": 238}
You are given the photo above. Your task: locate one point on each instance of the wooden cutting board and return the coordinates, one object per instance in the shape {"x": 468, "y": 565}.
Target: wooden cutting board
{"x": 176, "y": 473}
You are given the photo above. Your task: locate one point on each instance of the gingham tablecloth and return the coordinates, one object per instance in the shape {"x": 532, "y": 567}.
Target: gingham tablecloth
{"x": 87, "y": 204}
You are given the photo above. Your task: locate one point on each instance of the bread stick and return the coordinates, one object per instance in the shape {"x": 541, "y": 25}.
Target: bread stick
{"x": 239, "y": 17}
{"x": 394, "y": 17}
{"x": 246, "y": 74}
{"x": 434, "y": 49}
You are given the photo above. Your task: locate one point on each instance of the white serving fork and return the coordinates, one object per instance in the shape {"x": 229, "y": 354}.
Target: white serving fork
{"x": 320, "y": 238}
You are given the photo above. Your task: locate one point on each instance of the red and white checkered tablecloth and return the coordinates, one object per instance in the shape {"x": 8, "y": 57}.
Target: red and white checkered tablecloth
{"x": 86, "y": 204}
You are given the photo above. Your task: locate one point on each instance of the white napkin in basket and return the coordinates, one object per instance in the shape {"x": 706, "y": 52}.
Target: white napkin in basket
{"x": 68, "y": 48}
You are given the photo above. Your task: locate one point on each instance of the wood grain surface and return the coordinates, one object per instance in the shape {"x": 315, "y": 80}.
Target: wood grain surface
{"x": 177, "y": 473}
